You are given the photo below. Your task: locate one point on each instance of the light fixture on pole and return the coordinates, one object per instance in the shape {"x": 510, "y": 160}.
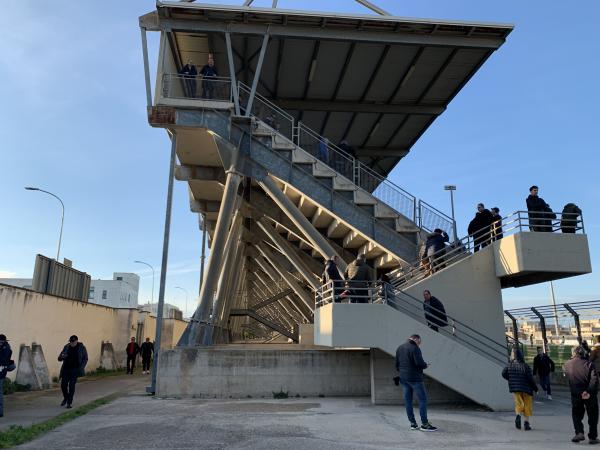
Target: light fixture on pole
{"x": 186, "y": 297}
{"x": 145, "y": 263}
{"x": 452, "y": 188}
{"x": 62, "y": 216}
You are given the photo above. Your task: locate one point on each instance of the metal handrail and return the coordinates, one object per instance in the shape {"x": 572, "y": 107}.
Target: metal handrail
{"x": 383, "y": 292}
{"x": 176, "y": 85}
{"x": 516, "y": 222}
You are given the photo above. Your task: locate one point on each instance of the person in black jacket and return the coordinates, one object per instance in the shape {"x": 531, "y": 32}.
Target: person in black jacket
{"x": 5, "y": 362}
{"x": 332, "y": 274}
{"x": 479, "y": 227}
{"x": 132, "y": 351}
{"x": 568, "y": 218}
{"x": 496, "y": 229}
{"x": 410, "y": 365}
{"x": 147, "y": 349}
{"x": 583, "y": 383}
{"x": 543, "y": 366}
{"x": 522, "y": 385}
{"x": 540, "y": 213}
{"x": 435, "y": 248}
{"x": 189, "y": 72}
{"x": 74, "y": 358}
{"x": 209, "y": 72}
{"x": 435, "y": 313}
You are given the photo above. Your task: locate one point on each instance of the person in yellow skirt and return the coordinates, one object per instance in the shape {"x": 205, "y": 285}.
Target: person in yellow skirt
{"x": 522, "y": 385}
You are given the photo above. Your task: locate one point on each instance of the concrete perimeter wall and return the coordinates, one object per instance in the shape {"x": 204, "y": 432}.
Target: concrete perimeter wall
{"x": 28, "y": 317}
{"x": 243, "y": 371}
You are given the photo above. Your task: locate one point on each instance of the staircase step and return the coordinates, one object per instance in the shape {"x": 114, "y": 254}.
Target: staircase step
{"x": 341, "y": 183}
{"x": 322, "y": 170}
{"x": 362, "y": 197}
{"x": 279, "y": 142}
{"x": 300, "y": 156}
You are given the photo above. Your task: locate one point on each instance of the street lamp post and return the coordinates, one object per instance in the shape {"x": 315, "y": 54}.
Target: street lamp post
{"x": 62, "y": 216}
{"x": 145, "y": 263}
{"x": 186, "y": 297}
{"x": 452, "y": 188}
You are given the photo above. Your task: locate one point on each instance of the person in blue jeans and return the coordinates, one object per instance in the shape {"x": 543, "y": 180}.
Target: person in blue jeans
{"x": 410, "y": 365}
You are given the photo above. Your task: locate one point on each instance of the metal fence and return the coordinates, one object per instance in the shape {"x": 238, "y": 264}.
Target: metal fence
{"x": 197, "y": 87}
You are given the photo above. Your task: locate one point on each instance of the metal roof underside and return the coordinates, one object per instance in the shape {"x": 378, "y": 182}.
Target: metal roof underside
{"x": 377, "y": 81}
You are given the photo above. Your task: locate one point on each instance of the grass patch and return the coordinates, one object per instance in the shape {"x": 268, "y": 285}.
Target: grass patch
{"x": 101, "y": 372}
{"x": 281, "y": 394}
{"x": 17, "y": 435}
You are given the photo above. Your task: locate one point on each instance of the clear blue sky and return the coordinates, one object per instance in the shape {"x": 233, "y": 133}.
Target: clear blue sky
{"x": 73, "y": 122}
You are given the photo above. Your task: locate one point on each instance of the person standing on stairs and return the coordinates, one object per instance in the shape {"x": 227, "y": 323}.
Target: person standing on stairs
{"x": 332, "y": 275}
{"x": 359, "y": 277}
{"x": 435, "y": 313}
{"x": 522, "y": 385}
{"x": 479, "y": 227}
{"x": 410, "y": 365}
{"x": 497, "y": 233}
{"x": 539, "y": 212}
{"x": 435, "y": 249}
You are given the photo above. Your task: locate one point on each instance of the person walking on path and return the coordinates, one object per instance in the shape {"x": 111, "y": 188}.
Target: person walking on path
{"x": 410, "y": 365}
{"x": 595, "y": 353}
{"x": 568, "y": 218}
{"x": 543, "y": 366}
{"x": 332, "y": 274}
{"x": 435, "y": 246}
{"x": 147, "y": 349}
{"x": 132, "y": 350}
{"x": 74, "y": 358}
{"x": 5, "y": 363}
{"x": 435, "y": 313}
{"x": 497, "y": 233}
{"x": 539, "y": 212}
{"x": 479, "y": 227}
{"x": 583, "y": 383}
{"x": 359, "y": 276}
{"x": 522, "y": 385}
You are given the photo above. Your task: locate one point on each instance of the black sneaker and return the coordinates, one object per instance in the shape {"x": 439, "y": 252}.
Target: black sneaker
{"x": 594, "y": 441}
{"x": 414, "y": 426}
{"x": 527, "y": 427}
{"x": 518, "y": 422}
{"x": 428, "y": 427}
{"x": 578, "y": 437}
{"x": 63, "y": 403}
{"x": 69, "y": 406}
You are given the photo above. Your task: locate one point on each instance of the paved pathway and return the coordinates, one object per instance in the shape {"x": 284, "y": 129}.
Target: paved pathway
{"x": 142, "y": 422}
{"x": 27, "y": 408}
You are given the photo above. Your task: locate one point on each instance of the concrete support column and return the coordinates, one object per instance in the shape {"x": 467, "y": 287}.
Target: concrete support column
{"x": 295, "y": 215}
{"x": 288, "y": 250}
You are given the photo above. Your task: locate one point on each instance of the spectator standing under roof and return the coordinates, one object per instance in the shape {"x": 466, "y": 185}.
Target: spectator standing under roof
{"x": 189, "y": 73}
{"x": 583, "y": 384}
{"x": 479, "y": 227}
{"x": 540, "y": 213}
{"x": 522, "y": 385}
{"x": 543, "y": 366}
{"x": 569, "y": 218}
{"x": 497, "y": 233}
{"x": 332, "y": 275}
{"x": 209, "y": 72}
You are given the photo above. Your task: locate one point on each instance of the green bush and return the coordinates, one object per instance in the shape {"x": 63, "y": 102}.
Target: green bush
{"x": 11, "y": 387}
{"x": 281, "y": 394}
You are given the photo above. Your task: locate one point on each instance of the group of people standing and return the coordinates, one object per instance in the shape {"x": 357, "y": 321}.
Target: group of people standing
{"x": 209, "y": 73}
{"x": 355, "y": 283}
{"x": 580, "y": 371}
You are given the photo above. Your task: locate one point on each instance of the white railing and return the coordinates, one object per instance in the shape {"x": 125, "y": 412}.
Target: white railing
{"x": 197, "y": 87}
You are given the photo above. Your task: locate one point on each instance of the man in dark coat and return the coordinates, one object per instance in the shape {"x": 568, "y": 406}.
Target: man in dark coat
{"x": 479, "y": 227}
{"x": 209, "y": 72}
{"x": 410, "y": 365}
{"x": 147, "y": 349}
{"x": 496, "y": 229}
{"x": 435, "y": 248}
{"x": 568, "y": 219}
{"x": 359, "y": 277}
{"x": 5, "y": 362}
{"x": 132, "y": 350}
{"x": 74, "y": 358}
{"x": 435, "y": 314}
{"x": 522, "y": 385}
{"x": 540, "y": 213}
{"x": 583, "y": 383}
{"x": 543, "y": 366}
{"x": 189, "y": 73}
{"x": 332, "y": 274}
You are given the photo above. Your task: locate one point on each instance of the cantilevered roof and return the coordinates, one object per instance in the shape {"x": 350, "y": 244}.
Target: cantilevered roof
{"x": 376, "y": 81}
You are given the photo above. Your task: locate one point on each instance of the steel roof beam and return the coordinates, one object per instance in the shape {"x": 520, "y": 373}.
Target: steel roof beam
{"x": 324, "y": 33}
{"x": 358, "y": 107}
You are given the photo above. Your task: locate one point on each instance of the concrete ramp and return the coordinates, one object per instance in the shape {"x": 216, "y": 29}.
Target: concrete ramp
{"x": 465, "y": 362}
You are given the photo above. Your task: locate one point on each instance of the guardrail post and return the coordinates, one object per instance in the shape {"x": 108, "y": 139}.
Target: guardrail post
{"x": 515, "y": 326}
{"x": 577, "y": 323}
{"x": 543, "y": 327}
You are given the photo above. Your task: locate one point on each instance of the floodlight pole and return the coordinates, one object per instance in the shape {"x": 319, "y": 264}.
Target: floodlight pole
{"x": 62, "y": 216}
{"x": 452, "y": 188}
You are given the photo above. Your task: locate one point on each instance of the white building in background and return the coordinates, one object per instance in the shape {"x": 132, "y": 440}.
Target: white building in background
{"x": 169, "y": 311}
{"x": 120, "y": 292}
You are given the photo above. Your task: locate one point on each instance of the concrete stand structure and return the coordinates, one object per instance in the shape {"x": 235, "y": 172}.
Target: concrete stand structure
{"x": 286, "y": 154}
